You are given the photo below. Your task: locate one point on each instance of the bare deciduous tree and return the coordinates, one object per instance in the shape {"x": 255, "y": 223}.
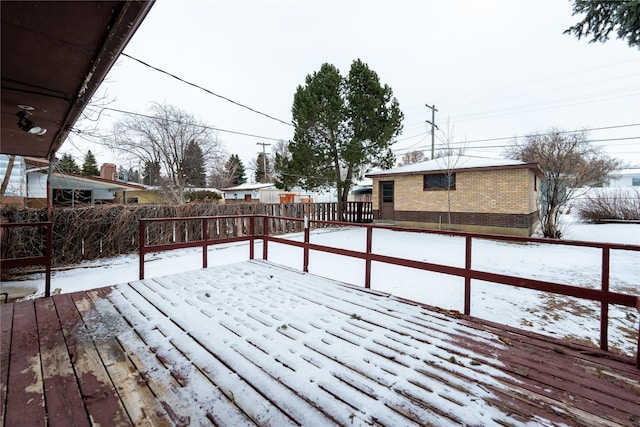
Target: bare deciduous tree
{"x": 220, "y": 177}
{"x": 569, "y": 163}
{"x": 162, "y": 138}
{"x": 448, "y": 157}
{"x": 412, "y": 157}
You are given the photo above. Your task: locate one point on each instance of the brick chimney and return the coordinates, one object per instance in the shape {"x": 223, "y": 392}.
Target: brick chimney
{"x": 109, "y": 171}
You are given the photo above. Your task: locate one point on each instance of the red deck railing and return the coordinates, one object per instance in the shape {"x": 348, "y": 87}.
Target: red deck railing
{"x": 44, "y": 259}
{"x": 257, "y": 227}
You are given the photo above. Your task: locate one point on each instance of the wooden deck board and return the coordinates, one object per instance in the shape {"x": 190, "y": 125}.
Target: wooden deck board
{"x": 100, "y": 397}
{"x": 141, "y": 406}
{"x": 6, "y": 326}
{"x": 256, "y": 345}
{"x": 25, "y": 398}
{"x": 64, "y": 403}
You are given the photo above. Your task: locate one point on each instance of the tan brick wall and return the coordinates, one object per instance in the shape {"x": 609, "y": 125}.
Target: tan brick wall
{"x": 494, "y": 191}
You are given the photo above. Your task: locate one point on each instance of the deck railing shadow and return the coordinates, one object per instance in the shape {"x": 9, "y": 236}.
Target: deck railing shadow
{"x": 160, "y": 234}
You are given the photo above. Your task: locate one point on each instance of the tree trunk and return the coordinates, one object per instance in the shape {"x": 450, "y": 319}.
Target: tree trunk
{"x": 343, "y": 195}
{"x": 449, "y": 206}
{"x": 7, "y": 175}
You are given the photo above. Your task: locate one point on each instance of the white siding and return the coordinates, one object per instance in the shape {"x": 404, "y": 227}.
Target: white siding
{"x": 37, "y": 188}
{"x": 625, "y": 178}
{"x": 17, "y": 185}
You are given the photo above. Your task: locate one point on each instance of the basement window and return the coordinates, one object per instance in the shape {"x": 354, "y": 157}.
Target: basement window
{"x": 439, "y": 181}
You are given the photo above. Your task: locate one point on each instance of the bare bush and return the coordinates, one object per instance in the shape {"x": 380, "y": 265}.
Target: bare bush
{"x": 609, "y": 203}
{"x": 104, "y": 231}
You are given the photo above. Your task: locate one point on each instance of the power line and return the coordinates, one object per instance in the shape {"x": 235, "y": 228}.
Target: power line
{"x": 524, "y": 136}
{"x": 202, "y": 126}
{"x": 542, "y": 105}
{"x": 545, "y": 105}
{"x": 493, "y": 147}
{"x": 538, "y": 92}
{"x": 536, "y": 81}
{"x": 206, "y": 90}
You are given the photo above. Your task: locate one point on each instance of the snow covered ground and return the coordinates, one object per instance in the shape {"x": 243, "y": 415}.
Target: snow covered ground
{"x": 552, "y": 315}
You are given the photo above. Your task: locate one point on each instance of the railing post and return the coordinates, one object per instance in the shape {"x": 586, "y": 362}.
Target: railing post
{"x": 604, "y": 306}
{"x": 49, "y": 249}
{"x": 265, "y": 235}
{"x": 305, "y": 261}
{"x": 467, "y": 279}
{"x": 252, "y": 236}
{"x": 141, "y": 248}
{"x": 367, "y": 269}
{"x": 638, "y": 350}
{"x": 205, "y": 242}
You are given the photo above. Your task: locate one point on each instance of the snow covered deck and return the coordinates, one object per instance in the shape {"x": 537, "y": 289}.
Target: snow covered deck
{"x": 258, "y": 344}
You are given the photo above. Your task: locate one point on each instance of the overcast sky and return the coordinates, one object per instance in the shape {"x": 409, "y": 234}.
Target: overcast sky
{"x": 494, "y": 69}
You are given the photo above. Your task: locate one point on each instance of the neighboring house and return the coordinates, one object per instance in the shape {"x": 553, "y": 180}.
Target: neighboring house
{"x": 361, "y": 193}
{"x": 143, "y": 194}
{"x": 249, "y": 192}
{"x": 624, "y": 178}
{"x": 73, "y": 190}
{"x": 27, "y": 186}
{"x": 486, "y": 195}
{"x": 16, "y": 182}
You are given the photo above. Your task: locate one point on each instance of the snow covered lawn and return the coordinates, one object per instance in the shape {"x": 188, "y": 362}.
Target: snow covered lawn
{"x": 552, "y": 315}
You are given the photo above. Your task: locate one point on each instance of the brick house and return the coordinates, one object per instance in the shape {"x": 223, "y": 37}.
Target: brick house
{"x": 496, "y": 196}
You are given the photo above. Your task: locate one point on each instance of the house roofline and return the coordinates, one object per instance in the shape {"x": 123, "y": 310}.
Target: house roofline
{"x": 114, "y": 184}
{"x": 532, "y": 166}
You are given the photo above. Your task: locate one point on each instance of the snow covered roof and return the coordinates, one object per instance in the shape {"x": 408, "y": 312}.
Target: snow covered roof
{"x": 75, "y": 181}
{"x": 249, "y": 186}
{"x": 625, "y": 172}
{"x": 454, "y": 163}
{"x": 194, "y": 189}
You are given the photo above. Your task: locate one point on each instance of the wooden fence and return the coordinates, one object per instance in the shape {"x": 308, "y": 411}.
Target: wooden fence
{"x": 355, "y": 212}
{"x": 108, "y": 231}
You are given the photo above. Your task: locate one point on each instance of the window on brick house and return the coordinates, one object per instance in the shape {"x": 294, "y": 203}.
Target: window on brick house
{"x": 439, "y": 181}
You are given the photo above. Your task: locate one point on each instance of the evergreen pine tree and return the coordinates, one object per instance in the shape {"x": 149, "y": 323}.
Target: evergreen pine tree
{"x": 68, "y": 164}
{"x": 90, "y": 166}
{"x": 151, "y": 173}
{"x": 263, "y": 168}
{"x": 235, "y": 170}
{"x": 193, "y": 166}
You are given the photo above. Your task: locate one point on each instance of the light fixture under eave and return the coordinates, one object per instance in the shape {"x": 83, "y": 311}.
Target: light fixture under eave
{"x": 27, "y": 125}
{"x": 37, "y": 130}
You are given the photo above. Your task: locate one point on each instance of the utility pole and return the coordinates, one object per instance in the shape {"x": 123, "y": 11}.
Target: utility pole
{"x": 433, "y": 128}
{"x": 264, "y": 158}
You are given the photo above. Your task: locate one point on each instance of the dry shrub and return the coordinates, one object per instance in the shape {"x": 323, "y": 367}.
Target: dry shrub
{"x": 609, "y": 203}
{"x": 104, "y": 231}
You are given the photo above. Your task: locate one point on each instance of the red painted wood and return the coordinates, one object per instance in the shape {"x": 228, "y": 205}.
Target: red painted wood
{"x": 6, "y": 323}
{"x": 25, "y": 400}
{"x": 100, "y": 397}
{"x": 604, "y": 295}
{"x": 64, "y": 403}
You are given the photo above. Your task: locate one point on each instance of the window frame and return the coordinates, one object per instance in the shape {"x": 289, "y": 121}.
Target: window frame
{"x": 387, "y": 197}
{"x": 444, "y": 177}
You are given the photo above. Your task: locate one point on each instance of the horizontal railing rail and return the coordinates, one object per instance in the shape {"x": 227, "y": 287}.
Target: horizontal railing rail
{"x": 44, "y": 259}
{"x": 257, "y": 227}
